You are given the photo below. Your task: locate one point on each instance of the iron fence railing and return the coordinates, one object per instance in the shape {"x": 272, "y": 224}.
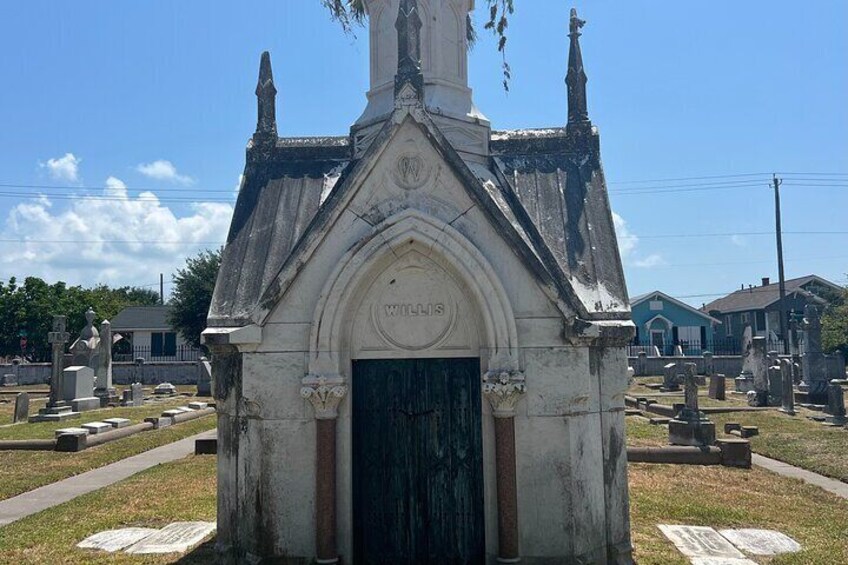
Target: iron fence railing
{"x": 695, "y": 348}
{"x": 160, "y": 355}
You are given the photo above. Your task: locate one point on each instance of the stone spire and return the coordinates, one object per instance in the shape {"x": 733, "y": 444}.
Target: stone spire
{"x": 578, "y": 113}
{"x": 408, "y": 27}
{"x": 266, "y": 96}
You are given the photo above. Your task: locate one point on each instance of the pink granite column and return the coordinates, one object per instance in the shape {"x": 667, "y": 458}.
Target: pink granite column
{"x": 325, "y": 395}
{"x": 504, "y": 390}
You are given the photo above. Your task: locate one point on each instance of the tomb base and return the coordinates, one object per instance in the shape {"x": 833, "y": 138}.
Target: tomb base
{"x": 698, "y": 433}
{"x": 85, "y": 404}
{"x": 107, "y": 396}
{"x": 57, "y": 413}
{"x": 744, "y": 383}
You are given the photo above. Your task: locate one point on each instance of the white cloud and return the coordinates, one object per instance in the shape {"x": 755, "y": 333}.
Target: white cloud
{"x": 165, "y": 171}
{"x": 738, "y": 240}
{"x": 238, "y": 184}
{"x": 110, "y": 237}
{"x": 627, "y": 245}
{"x": 64, "y": 168}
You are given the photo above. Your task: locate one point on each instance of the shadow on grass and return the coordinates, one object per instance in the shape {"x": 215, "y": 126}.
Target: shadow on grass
{"x": 204, "y": 553}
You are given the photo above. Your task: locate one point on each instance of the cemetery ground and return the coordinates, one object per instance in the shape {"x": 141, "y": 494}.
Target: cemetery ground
{"x": 22, "y": 471}
{"x": 796, "y": 440}
{"x": 660, "y": 494}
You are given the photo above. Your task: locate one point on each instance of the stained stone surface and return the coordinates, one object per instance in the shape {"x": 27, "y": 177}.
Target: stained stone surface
{"x": 97, "y": 427}
{"x": 118, "y": 422}
{"x": 721, "y": 561}
{"x": 116, "y": 540}
{"x": 174, "y": 538}
{"x": 700, "y": 541}
{"x": 74, "y": 431}
{"x": 761, "y": 542}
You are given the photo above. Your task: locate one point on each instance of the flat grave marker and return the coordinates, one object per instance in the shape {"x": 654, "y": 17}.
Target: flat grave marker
{"x": 700, "y": 541}
{"x": 761, "y": 542}
{"x": 116, "y": 540}
{"x": 178, "y": 537}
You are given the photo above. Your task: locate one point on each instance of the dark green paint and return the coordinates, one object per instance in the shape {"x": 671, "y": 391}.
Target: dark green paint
{"x": 417, "y": 462}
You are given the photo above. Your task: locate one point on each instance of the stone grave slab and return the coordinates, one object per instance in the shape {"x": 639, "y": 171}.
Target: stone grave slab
{"x": 21, "y": 408}
{"x": 700, "y": 541}
{"x": 72, "y": 431}
{"x": 175, "y": 538}
{"x": 118, "y": 422}
{"x": 721, "y": 561}
{"x": 198, "y": 405}
{"x": 761, "y": 542}
{"x": 97, "y": 427}
{"x": 171, "y": 413}
{"x": 116, "y": 540}
{"x": 184, "y": 409}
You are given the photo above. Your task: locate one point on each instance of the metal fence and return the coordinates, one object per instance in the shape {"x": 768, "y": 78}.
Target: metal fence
{"x": 694, "y": 348}
{"x": 160, "y": 355}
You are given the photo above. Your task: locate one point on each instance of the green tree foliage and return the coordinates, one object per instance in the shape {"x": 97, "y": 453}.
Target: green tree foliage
{"x": 27, "y": 310}
{"x": 192, "y": 295}
{"x": 835, "y": 326}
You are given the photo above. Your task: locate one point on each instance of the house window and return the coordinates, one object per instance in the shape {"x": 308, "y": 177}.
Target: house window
{"x": 163, "y": 344}
{"x": 760, "y": 318}
{"x": 656, "y": 305}
{"x": 728, "y": 325}
{"x": 746, "y": 318}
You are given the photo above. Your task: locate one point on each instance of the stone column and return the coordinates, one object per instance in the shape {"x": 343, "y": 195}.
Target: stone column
{"x": 503, "y": 391}
{"x": 325, "y": 395}
{"x": 788, "y": 389}
{"x": 57, "y": 338}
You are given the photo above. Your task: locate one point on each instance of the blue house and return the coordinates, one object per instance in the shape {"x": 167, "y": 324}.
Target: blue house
{"x": 663, "y": 322}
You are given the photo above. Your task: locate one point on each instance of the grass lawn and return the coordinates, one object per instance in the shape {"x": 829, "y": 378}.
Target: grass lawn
{"x": 796, "y": 440}
{"x": 45, "y": 430}
{"x": 660, "y": 494}
{"x": 21, "y": 471}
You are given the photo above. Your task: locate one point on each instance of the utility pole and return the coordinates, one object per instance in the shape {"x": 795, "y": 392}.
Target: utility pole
{"x": 776, "y": 182}
{"x": 162, "y": 286}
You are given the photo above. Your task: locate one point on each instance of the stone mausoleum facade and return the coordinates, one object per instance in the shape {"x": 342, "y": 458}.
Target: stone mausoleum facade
{"x": 419, "y": 329}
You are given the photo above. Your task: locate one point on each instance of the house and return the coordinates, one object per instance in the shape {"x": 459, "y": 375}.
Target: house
{"x": 147, "y": 334}
{"x": 759, "y": 306}
{"x": 665, "y": 322}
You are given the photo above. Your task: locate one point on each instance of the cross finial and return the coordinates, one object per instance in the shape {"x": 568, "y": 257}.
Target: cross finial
{"x": 266, "y": 95}
{"x": 408, "y": 27}
{"x": 575, "y": 23}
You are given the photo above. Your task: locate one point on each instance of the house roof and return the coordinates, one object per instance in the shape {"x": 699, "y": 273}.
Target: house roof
{"x": 142, "y": 318}
{"x": 761, "y": 297}
{"x": 643, "y": 297}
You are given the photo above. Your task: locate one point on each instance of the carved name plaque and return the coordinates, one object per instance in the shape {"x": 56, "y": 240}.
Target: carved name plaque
{"x": 414, "y": 311}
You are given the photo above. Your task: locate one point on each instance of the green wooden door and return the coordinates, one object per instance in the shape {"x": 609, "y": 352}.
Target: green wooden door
{"x": 417, "y": 462}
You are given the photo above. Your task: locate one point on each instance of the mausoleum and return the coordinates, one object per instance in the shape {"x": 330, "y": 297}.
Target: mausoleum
{"x": 418, "y": 330}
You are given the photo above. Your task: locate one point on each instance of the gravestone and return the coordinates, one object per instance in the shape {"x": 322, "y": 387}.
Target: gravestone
{"x": 813, "y": 361}
{"x": 204, "y": 377}
{"x": 21, "y": 408}
{"x": 701, "y": 542}
{"x": 709, "y": 363}
{"x": 835, "y": 408}
{"x": 718, "y": 387}
{"x": 787, "y": 372}
{"x": 9, "y": 379}
{"x": 758, "y": 365}
{"x": 173, "y": 538}
{"x": 78, "y": 389}
{"x": 57, "y": 408}
{"x": 116, "y": 540}
{"x": 133, "y": 396}
{"x": 165, "y": 389}
{"x": 745, "y": 380}
{"x": 671, "y": 377}
{"x": 690, "y": 426}
{"x": 775, "y": 383}
{"x": 761, "y": 542}
{"x": 642, "y": 364}
{"x": 105, "y": 390}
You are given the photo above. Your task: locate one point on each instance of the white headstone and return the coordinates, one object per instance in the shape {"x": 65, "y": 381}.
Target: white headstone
{"x": 174, "y": 538}
{"x": 700, "y": 541}
{"x": 116, "y": 540}
{"x": 761, "y": 542}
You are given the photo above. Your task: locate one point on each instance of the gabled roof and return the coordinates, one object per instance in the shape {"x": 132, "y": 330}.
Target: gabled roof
{"x": 650, "y": 295}
{"x": 142, "y": 318}
{"x": 761, "y": 297}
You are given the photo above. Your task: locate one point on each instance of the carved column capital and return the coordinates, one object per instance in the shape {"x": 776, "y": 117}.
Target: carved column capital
{"x": 325, "y": 394}
{"x": 503, "y": 389}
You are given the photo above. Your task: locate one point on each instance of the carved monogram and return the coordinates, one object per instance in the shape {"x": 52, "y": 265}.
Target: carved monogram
{"x": 411, "y": 171}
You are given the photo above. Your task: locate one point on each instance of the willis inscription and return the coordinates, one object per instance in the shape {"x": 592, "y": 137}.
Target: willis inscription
{"x": 414, "y": 310}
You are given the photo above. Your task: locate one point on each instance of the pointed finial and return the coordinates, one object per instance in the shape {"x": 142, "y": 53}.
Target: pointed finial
{"x": 578, "y": 113}
{"x": 266, "y": 96}
{"x": 408, "y": 27}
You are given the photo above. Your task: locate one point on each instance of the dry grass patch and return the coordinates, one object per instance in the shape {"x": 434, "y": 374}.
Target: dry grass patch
{"x": 21, "y": 471}
{"x": 722, "y": 497}
{"x": 175, "y": 492}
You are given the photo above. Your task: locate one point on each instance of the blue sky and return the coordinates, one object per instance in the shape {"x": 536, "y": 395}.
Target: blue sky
{"x": 155, "y": 98}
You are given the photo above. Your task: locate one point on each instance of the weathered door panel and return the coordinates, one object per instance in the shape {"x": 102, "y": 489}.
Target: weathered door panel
{"x": 417, "y": 462}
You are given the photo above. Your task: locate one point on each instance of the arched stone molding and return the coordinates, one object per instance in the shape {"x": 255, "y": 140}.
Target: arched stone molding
{"x": 659, "y": 317}
{"x": 330, "y": 340}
